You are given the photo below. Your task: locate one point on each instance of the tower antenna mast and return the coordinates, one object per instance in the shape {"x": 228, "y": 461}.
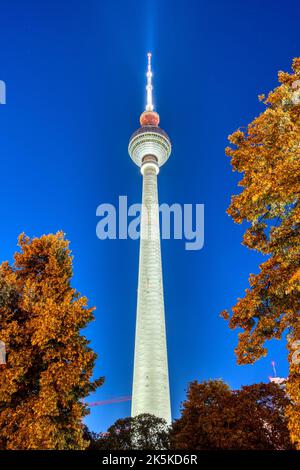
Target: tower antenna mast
{"x": 149, "y": 87}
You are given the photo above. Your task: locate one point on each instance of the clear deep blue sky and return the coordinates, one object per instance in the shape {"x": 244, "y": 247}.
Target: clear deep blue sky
{"x": 75, "y": 76}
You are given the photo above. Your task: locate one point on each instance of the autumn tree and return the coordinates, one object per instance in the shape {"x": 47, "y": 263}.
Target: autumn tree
{"x": 91, "y": 437}
{"x": 213, "y": 417}
{"x": 267, "y": 154}
{"x": 142, "y": 432}
{"x": 49, "y": 362}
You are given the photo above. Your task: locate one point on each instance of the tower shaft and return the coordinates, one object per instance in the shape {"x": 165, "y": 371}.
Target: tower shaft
{"x": 150, "y": 147}
{"x": 151, "y": 379}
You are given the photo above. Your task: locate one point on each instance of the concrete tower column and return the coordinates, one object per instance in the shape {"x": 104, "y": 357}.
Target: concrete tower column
{"x": 150, "y": 147}
{"x": 151, "y": 379}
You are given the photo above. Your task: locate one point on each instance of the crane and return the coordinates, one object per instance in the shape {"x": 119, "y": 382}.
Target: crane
{"x": 109, "y": 401}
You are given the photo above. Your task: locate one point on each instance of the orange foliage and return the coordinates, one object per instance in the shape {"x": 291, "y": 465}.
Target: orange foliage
{"x": 49, "y": 363}
{"x": 268, "y": 156}
{"x": 213, "y": 417}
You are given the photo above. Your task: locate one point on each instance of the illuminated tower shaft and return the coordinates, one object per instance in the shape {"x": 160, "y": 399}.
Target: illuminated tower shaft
{"x": 150, "y": 382}
{"x": 150, "y": 147}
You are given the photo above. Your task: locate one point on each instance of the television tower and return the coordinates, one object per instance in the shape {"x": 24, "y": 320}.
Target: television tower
{"x": 150, "y": 147}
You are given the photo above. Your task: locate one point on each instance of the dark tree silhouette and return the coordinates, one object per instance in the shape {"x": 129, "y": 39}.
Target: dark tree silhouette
{"x": 214, "y": 417}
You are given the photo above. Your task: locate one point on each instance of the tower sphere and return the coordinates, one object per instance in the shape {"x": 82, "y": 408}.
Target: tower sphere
{"x": 149, "y": 118}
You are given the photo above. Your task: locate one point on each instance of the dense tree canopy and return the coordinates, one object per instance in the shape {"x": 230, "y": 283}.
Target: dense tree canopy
{"x": 49, "y": 363}
{"x": 143, "y": 432}
{"x": 213, "y": 418}
{"x": 268, "y": 156}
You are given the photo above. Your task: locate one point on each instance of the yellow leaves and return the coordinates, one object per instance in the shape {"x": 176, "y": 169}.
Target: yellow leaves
{"x": 296, "y": 65}
{"x": 225, "y": 314}
{"x": 293, "y": 283}
{"x": 215, "y": 417}
{"x": 47, "y": 257}
{"x": 236, "y": 138}
{"x": 46, "y": 403}
{"x": 268, "y": 156}
{"x": 284, "y": 77}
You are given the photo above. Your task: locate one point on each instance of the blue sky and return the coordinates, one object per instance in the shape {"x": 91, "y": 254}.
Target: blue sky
{"x": 75, "y": 77}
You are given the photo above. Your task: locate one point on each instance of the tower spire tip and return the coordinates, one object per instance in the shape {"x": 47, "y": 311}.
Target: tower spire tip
{"x": 149, "y": 87}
